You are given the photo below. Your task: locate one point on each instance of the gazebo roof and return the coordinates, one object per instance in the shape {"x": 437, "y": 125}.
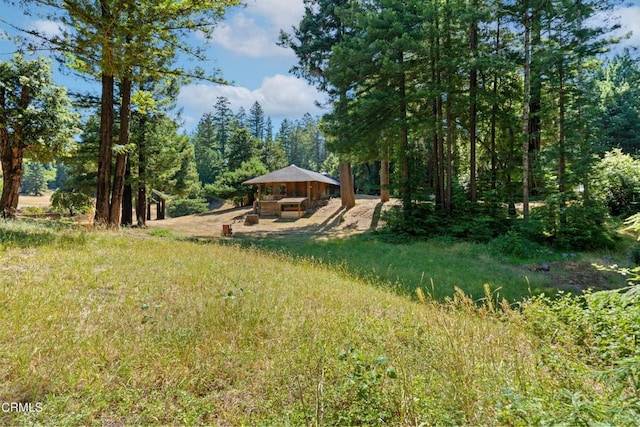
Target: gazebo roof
{"x": 291, "y": 174}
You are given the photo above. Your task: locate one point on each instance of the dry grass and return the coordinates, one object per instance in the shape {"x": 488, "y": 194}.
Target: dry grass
{"x": 129, "y": 329}
{"x": 43, "y": 201}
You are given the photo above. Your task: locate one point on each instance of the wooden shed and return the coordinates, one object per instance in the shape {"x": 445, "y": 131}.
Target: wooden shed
{"x": 289, "y": 192}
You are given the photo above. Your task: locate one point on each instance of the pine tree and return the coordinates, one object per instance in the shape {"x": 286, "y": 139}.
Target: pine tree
{"x": 206, "y": 142}
{"x": 256, "y": 122}
{"x": 124, "y": 42}
{"x": 320, "y": 29}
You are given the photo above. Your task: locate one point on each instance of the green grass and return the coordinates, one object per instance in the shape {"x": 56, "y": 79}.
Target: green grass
{"x": 111, "y": 328}
{"x": 436, "y": 266}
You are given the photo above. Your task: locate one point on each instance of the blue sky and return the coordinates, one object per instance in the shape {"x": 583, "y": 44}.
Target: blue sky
{"x": 244, "y": 48}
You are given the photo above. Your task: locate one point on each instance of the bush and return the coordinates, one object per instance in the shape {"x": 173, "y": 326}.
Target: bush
{"x": 571, "y": 224}
{"x": 228, "y": 185}
{"x": 183, "y": 207}
{"x": 599, "y": 332}
{"x": 471, "y": 221}
{"x": 514, "y": 244}
{"x": 617, "y": 182}
{"x": 33, "y": 210}
{"x": 70, "y": 202}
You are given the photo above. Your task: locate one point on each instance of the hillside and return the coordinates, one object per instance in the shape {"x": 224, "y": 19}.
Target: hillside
{"x": 126, "y": 328}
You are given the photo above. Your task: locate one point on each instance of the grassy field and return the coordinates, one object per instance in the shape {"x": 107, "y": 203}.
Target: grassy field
{"x": 438, "y": 267}
{"x": 107, "y": 328}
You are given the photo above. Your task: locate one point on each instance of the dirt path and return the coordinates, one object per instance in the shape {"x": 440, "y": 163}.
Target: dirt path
{"x": 328, "y": 221}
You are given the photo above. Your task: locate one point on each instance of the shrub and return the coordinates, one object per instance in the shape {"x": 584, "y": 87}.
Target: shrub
{"x": 600, "y": 332}
{"x": 617, "y": 181}
{"x": 33, "y": 210}
{"x": 571, "y": 224}
{"x": 228, "y": 186}
{"x": 71, "y": 202}
{"x": 183, "y": 207}
{"x": 514, "y": 244}
{"x": 471, "y": 221}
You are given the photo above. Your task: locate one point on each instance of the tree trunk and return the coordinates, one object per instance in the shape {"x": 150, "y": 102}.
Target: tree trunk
{"x": 384, "y": 181}
{"x": 141, "y": 205}
{"x": 106, "y": 127}
{"x": 525, "y": 113}
{"x": 11, "y": 155}
{"x": 437, "y": 160}
{"x": 473, "y": 109}
{"x": 405, "y": 179}
{"x": 438, "y": 140}
{"x": 449, "y": 120}
{"x": 105, "y": 155}
{"x": 562, "y": 155}
{"x": 142, "y": 202}
{"x": 535, "y": 103}
{"x": 11, "y": 176}
{"x": 494, "y": 117}
{"x": 127, "y": 199}
{"x": 441, "y": 196}
{"x": 347, "y": 194}
{"x": 121, "y": 158}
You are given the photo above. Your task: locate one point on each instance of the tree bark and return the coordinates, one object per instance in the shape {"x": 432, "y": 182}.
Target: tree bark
{"x": 106, "y": 127}
{"x": 562, "y": 155}
{"x": 450, "y": 125}
{"x": 12, "y": 150}
{"x": 105, "y": 155}
{"x": 535, "y": 102}
{"x": 525, "y": 112}
{"x": 127, "y": 199}
{"x": 384, "y": 181}
{"x": 347, "y": 194}
{"x": 142, "y": 203}
{"x": 11, "y": 175}
{"x": 438, "y": 140}
{"x": 494, "y": 117}
{"x": 121, "y": 158}
{"x": 448, "y": 201}
{"x": 405, "y": 178}
{"x": 473, "y": 108}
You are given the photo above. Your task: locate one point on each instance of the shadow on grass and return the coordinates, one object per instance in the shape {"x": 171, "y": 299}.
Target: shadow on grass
{"x": 35, "y": 233}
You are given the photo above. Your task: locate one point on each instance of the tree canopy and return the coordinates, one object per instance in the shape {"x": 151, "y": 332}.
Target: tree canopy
{"x": 36, "y": 121}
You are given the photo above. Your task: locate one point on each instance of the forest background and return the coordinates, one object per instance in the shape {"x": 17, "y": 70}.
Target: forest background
{"x": 450, "y": 103}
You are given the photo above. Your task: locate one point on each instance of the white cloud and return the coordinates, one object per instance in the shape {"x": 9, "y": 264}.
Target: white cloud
{"x": 630, "y": 21}
{"x": 253, "y": 31}
{"x": 47, "y": 28}
{"x": 244, "y": 36}
{"x": 281, "y": 13}
{"x": 280, "y": 96}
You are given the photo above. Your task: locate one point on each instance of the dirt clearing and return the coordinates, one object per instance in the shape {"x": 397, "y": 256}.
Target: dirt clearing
{"x": 328, "y": 221}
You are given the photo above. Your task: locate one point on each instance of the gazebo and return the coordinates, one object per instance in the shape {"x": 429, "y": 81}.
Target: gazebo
{"x": 290, "y": 191}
